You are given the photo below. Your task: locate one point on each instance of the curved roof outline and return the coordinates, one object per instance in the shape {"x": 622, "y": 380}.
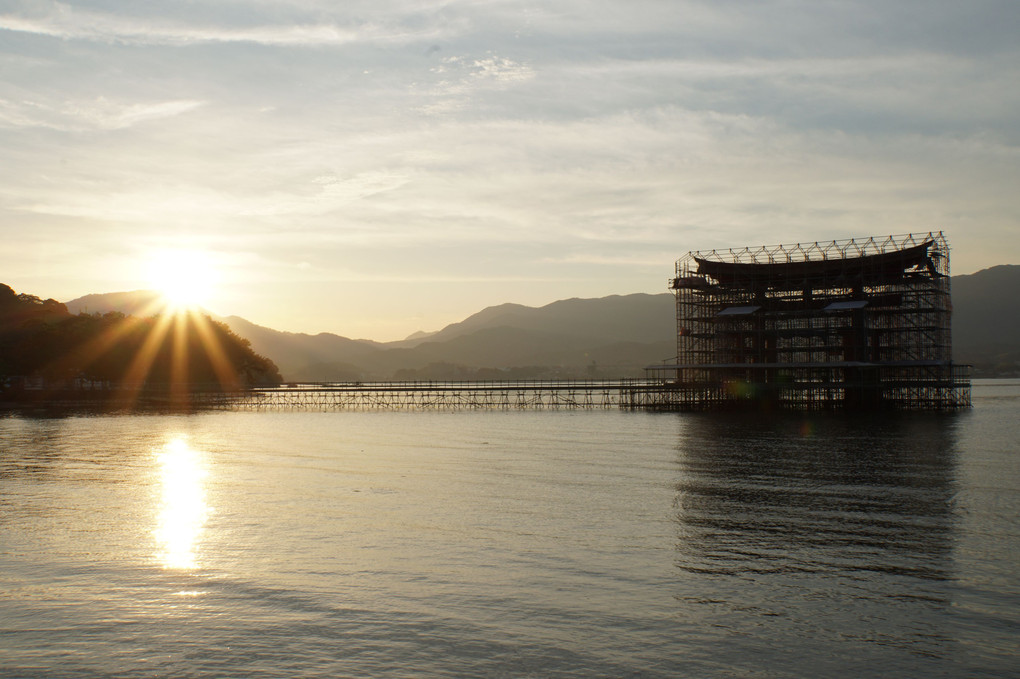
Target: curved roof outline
{"x": 865, "y": 269}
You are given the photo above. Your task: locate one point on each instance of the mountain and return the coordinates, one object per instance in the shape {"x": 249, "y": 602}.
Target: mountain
{"x": 135, "y": 303}
{"x": 613, "y": 336}
{"x": 41, "y": 339}
{"x": 986, "y": 320}
{"x": 609, "y": 337}
{"x": 419, "y": 335}
{"x": 303, "y": 357}
{"x": 617, "y": 318}
{"x": 527, "y": 354}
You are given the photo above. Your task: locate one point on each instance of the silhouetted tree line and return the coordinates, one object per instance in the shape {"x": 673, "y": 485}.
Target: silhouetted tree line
{"x": 41, "y": 339}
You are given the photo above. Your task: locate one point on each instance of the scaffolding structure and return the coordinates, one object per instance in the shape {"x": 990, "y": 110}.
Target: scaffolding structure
{"x": 857, "y": 324}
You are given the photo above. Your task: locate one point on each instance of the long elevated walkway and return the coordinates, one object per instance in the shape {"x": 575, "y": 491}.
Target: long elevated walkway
{"x": 515, "y": 394}
{"x": 734, "y": 392}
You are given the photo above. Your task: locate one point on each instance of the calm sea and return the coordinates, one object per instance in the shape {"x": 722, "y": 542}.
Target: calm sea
{"x": 512, "y": 544}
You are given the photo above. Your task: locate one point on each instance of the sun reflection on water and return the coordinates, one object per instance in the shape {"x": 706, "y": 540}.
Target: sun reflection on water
{"x": 183, "y": 510}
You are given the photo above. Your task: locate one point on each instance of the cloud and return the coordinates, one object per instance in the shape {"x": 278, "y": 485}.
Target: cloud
{"x": 629, "y": 260}
{"x": 95, "y": 114}
{"x": 64, "y": 21}
{"x": 460, "y": 141}
{"x": 190, "y": 204}
{"x": 333, "y": 194}
{"x": 459, "y": 79}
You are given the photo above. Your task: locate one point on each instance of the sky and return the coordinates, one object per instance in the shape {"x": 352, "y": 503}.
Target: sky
{"x": 376, "y": 168}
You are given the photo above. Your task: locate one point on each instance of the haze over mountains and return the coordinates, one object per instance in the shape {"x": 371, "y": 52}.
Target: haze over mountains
{"x": 607, "y": 337}
{"x": 986, "y": 320}
{"x": 615, "y": 336}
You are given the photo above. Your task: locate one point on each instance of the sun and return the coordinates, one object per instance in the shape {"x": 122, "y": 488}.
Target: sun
{"x": 186, "y": 279}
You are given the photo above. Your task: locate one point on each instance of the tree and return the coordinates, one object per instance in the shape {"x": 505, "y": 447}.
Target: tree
{"x": 41, "y": 339}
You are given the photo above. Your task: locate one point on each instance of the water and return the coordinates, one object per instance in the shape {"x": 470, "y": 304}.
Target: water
{"x": 323, "y": 544}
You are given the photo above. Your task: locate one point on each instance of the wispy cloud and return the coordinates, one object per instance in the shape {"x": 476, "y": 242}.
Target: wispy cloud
{"x": 67, "y": 22}
{"x": 459, "y": 78}
{"x": 193, "y": 204}
{"x": 642, "y": 260}
{"x": 331, "y": 193}
{"x": 95, "y": 114}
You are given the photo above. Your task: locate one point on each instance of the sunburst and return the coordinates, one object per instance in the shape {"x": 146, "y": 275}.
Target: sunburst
{"x": 186, "y": 279}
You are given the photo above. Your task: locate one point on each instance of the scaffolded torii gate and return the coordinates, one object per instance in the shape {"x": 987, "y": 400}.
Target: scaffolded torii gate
{"x": 859, "y": 323}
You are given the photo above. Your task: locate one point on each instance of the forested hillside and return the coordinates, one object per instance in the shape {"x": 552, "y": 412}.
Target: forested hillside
{"x": 40, "y": 339}
{"x": 986, "y": 320}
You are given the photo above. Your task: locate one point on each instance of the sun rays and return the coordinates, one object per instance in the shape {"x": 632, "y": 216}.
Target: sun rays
{"x": 173, "y": 336}
{"x": 173, "y": 353}
{"x": 169, "y": 351}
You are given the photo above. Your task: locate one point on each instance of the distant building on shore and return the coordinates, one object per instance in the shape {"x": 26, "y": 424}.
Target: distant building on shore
{"x": 856, "y": 324}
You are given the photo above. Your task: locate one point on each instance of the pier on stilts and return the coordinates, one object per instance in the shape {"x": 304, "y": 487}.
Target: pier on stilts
{"x": 425, "y": 395}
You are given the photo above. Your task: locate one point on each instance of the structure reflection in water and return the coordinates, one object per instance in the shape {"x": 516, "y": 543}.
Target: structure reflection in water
{"x": 824, "y": 494}
{"x": 183, "y": 509}
{"x": 837, "y": 531}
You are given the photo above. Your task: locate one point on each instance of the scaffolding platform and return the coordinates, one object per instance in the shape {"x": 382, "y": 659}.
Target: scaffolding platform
{"x": 855, "y": 324}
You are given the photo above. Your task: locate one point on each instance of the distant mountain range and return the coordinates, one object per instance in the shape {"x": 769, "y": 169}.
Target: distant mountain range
{"x": 986, "y": 320}
{"x": 608, "y": 337}
{"x": 615, "y": 336}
